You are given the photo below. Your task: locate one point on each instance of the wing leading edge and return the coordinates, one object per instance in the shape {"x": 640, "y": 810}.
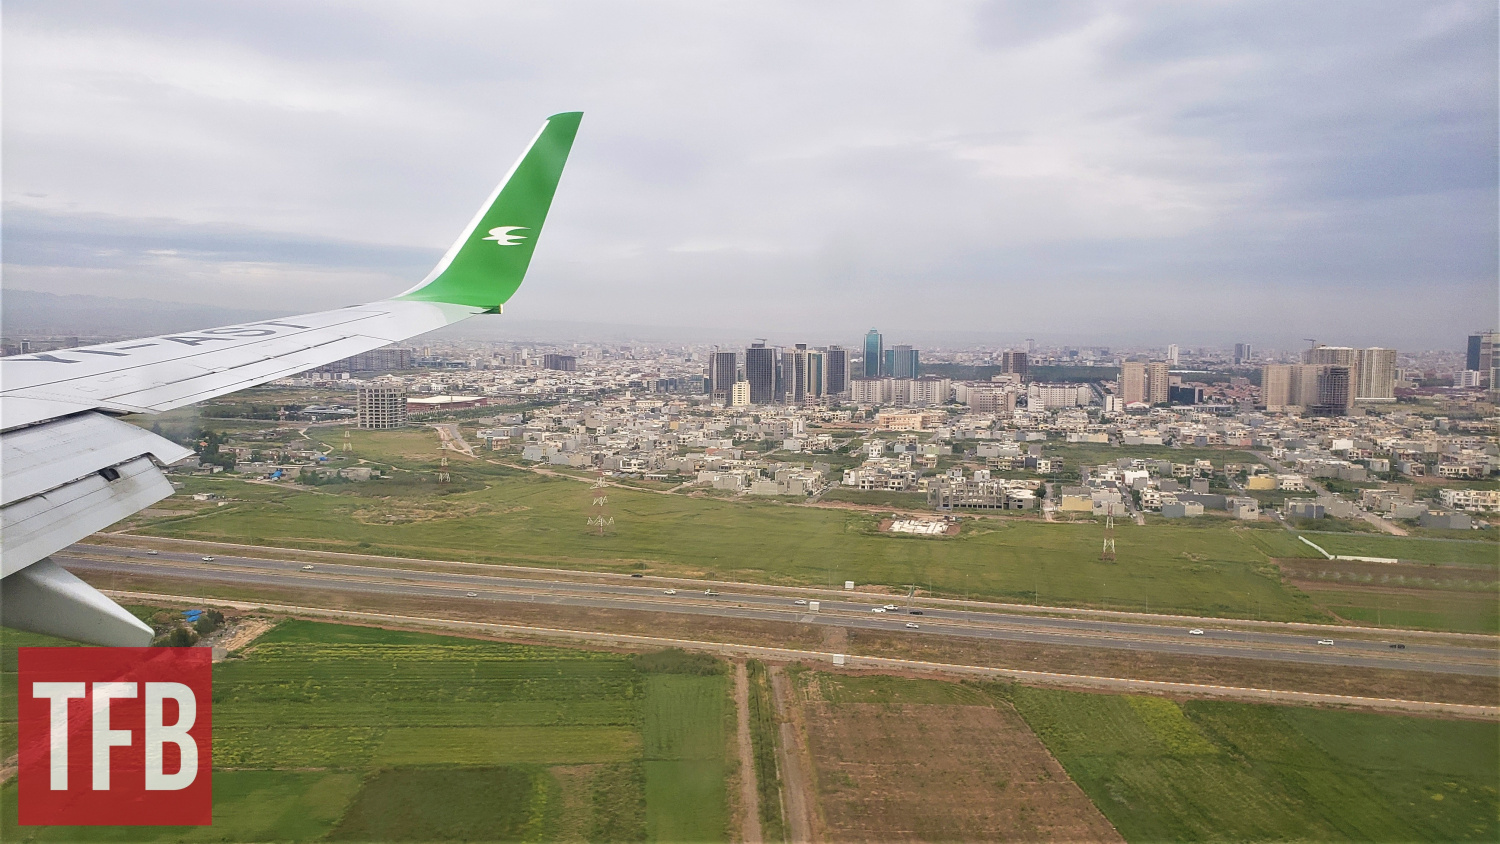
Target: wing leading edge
{"x": 69, "y": 468}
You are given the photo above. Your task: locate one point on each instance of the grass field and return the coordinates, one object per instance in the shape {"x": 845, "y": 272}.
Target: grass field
{"x": 1465, "y": 612}
{"x": 494, "y": 514}
{"x": 1201, "y": 770}
{"x": 362, "y": 734}
{"x": 1472, "y": 553}
{"x": 764, "y": 737}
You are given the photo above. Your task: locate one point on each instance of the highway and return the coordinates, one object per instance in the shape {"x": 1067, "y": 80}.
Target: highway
{"x": 648, "y": 595}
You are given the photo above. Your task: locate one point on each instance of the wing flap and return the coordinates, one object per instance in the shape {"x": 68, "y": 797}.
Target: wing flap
{"x": 43, "y": 457}
{"x": 34, "y": 527}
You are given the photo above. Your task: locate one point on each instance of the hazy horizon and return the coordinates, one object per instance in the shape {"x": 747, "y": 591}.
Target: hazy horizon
{"x": 1090, "y": 173}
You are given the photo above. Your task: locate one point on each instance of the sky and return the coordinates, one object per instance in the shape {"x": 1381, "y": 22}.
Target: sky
{"x": 1092, "y": 173}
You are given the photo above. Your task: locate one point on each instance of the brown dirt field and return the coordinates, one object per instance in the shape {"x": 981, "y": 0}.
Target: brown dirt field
{"x": 799, "y": 796}
{"x": 1103, "y": 662}
{"x": 1352, "y": 574}
{"x": 1144, "y": 665}
{"x": 245, "y": 632}
{"x": 749, "y": 803}
{"x": 930, "y": 772}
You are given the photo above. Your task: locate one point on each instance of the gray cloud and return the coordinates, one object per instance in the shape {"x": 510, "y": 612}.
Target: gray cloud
{"x": 1253, "y": 170}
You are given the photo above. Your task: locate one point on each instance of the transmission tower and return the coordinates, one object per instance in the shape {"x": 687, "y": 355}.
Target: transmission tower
{"x": 599, "y": 507}
{"x": 348, "y": 445}
{"x": 442, "y": 476}
{"x": 1108, "y": 554}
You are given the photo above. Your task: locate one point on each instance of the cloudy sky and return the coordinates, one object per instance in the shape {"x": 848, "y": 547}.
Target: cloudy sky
{"x": 1197, "y": 172}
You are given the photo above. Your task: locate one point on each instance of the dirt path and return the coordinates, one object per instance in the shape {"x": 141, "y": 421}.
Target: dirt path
{"x": 798, "y": 799}
{"x": 749, "y": 792}
{"x": 450, "y": 437}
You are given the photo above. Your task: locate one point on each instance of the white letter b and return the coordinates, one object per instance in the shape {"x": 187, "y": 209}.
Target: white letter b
{"x": 158, "y": 734}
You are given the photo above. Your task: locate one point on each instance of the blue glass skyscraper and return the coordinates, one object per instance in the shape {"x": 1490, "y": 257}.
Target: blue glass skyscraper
{"x": 874, "y": 354}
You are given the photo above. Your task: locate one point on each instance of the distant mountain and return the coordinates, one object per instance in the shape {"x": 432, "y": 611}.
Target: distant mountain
{"x": 30, "y": 313}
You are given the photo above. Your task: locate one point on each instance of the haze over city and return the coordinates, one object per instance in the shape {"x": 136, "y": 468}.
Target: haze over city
{"x": 1086, "y": 173}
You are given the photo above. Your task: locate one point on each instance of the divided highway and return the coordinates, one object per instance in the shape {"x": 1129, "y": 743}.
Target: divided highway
{"x": 846, "y": 611}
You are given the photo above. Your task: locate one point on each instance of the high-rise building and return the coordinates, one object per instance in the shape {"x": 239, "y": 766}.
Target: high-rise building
{"x": 929, "y": 391}
{"x": 739, "y": 394}
{"x": 1276, "y": 387}
{"x": 903, "y": 362}
{"x": 836, "y": 370}
{"x": 1172, "y": 354}
{"x": 802, "y": 369}
{"x": 1015, "y": 363}
{"x": 1243, "y": 353}
{"x": 1482, "y": 358}
{"x": 761, "y": 371}
{"x": 1132, "y": 382}
{"x": 1326, "y": 355}
{"x": 874, "y": 354}
{"x": 1158, "y": 383}
{"x": 385, "y": 359}
{"x": 380, "y": 406}
{"x": 1375, "y": 371}
{"x": 867, "y": 391}
{"x": 561, "y": 363}
{"x": 1335, "y": 390}
{"x": 723, "y": 372}
{"x": 1302, "y": 387}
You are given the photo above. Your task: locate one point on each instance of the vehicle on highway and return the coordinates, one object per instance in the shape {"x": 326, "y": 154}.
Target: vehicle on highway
{"x": 307, "y": 568}
{"x": 877, "y": 609}
{"x": 913, "y": 612}
{"x": 709, "y": 592}
{"x": 1325, "y": 641}
{"x": 1196, "y": 631}
{"x": 637, "y": 575}
{"x": 1402, "y": 647}
{"x": 801, "y": 602}
{"x": 891, "y": 608}
{"x": 152, "y": 552}
{"x": 669, "y": 592}
{"x": 913, "y": 625}
{"x": 208, "y": 559}
{"x": 471, "y": 594}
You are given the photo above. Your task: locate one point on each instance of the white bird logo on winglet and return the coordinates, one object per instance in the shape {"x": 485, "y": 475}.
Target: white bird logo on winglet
{"x": 502, "y": 235}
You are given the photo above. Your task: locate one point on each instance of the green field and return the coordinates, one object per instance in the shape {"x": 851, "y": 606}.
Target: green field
{"x": 499, "y": 515}
{"x": 1471, "y": 553}
{"x": 362, "y": 734}
{"x": 1465, "y": 612}
{"x": 1202, "y": 770}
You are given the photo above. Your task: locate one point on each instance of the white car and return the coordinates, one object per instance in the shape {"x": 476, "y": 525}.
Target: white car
{"x": 1196, "y": 631}
{"x": 801, "y": 602}
{"x": 913, "y": 625}
{"x": 670, "y": 592}
{"x": 307, "y": 568}
{"x": 890, "y": 608}
{"x": 709, "y": 592}
{"x": 208, "y": 559}
{"x": 152, "y": 552}
{"x": 1325, "y": 641}
{"x": 877, "y": 609}
{"x": 471, "y": 594}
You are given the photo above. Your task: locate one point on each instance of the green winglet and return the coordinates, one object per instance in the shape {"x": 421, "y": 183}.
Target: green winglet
{"x": 486, "y": 265}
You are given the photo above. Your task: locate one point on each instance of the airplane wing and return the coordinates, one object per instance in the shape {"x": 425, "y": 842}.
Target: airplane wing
{"x": 69, "y": 467}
